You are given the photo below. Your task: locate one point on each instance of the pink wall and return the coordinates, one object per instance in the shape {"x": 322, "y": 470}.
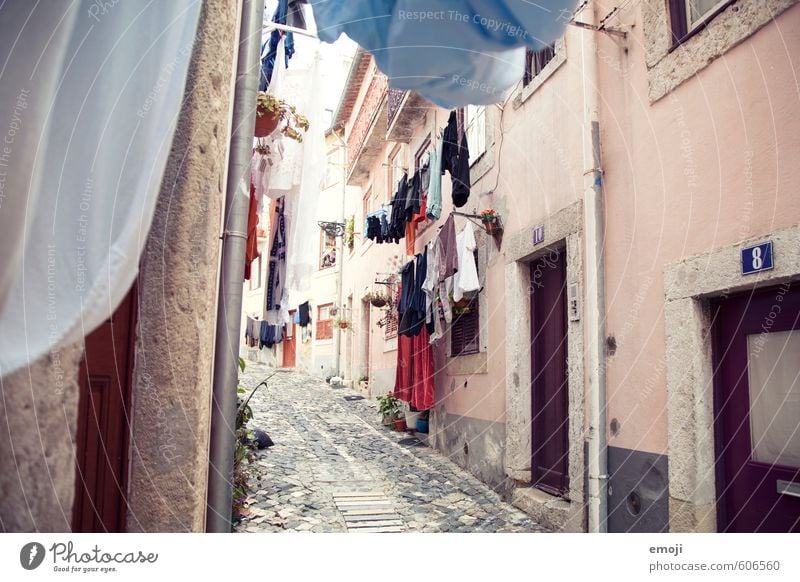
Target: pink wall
{"x": 712, "y": 163}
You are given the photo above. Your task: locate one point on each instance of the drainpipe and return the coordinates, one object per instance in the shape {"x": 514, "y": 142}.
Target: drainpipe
{"x": 234, "y": 240}
{"x": 595, "y": 280}
{"x": 340, "y": 256}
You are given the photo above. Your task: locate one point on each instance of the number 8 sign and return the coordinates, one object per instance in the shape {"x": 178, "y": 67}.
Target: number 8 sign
{"x": 757, "y": 258}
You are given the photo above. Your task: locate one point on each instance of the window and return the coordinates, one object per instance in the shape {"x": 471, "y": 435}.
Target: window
{"x": 255, "y": 277}
{"x": 535, "y": 61}
{"x": 327, "y": 250}
{"x": 324, "y": 322}
{"x": 390, "y": 329}
{"x": 475, "y": 129}
{"x": 395, "y": 173}
{"x": 367, "y": 204}
{"x": 687, "y": 16}
{"x": 465, "y": 330}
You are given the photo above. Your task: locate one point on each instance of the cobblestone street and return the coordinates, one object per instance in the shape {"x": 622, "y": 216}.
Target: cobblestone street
{"x": 334, "y": 468}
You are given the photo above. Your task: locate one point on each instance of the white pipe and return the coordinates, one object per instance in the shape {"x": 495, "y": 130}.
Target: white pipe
{"x": 594, "y": 262}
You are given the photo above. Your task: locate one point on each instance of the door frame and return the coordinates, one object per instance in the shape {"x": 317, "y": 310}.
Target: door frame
{"x": 690, "y": 286}
{"x": 132, "y": 297}
{"x": 563, "y": 228}
{"x": 555, "y": 257}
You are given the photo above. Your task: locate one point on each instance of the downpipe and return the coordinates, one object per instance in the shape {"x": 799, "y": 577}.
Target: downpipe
{"x": 234, "y": 241}
{"x": 593, "y": 220}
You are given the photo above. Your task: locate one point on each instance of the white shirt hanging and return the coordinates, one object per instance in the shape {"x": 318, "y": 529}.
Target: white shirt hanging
{"x": 466, "y": 279}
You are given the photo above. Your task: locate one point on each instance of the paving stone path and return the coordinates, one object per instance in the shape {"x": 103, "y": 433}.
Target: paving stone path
{"x": 334, "y": 468}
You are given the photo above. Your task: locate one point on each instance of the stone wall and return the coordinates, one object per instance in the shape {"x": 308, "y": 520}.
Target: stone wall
{"x": 39, "y": 408}
{"x": 177, "y": 296}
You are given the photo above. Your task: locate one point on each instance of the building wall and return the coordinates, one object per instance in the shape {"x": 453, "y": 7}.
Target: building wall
{"x": 172, "y": 378}
{"x": 39, "y": 407}
{"x": 699, "y": 153}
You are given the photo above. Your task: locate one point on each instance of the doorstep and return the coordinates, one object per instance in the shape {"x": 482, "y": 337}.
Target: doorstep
{"x": 547, "y": 510}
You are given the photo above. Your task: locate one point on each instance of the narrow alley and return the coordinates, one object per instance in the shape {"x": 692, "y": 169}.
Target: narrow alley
{"x": 334, "y": 468}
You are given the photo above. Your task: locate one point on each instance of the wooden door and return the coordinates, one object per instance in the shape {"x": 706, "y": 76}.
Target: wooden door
{"x": 549, "y": 374}
{"x": 757, "y": 410}
{"x": 290, "y": 343}
{"x": 101, "y": 484}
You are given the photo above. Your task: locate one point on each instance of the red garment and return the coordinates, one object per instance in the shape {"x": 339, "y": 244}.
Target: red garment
{"x": 422, "y": 394}
{"x": 251, "y": 250}
{"x": 423, "y": 210}
{"x": 403, "y": 381}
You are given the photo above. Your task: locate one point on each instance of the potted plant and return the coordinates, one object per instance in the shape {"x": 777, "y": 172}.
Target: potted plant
{"x": 412, "y": 415}
{"x": 388, "y": 408}
{"x": 350, "y": 232}
{"x": 377, "y": 299}
{"x": 344, "y": 323}
{"x": 271, "y": 111}
{"x": 491, "y": 220}
{"x": 399, "y": 423}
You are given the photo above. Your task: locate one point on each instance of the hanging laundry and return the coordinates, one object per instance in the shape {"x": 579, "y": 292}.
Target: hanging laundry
{"x": 431, "y": 288}
{"x": 473, "y": 57}
{"x": 251, "y": 248}
{"x": 455, "y": 159}
{"x": 305, "y": 314}
{"x": 397, "y": 222}
{"x": 423, "y": 392}
{"x": 268, "y": 62}
{"x": 276, "y": 274}
{"x": 434, "y": 209}
{"x": 466, "y": 279}
{"x": 448, "y": 263}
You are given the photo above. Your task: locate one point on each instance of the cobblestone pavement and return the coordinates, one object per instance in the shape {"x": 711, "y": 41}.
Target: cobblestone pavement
{"x": 334, "y": 468}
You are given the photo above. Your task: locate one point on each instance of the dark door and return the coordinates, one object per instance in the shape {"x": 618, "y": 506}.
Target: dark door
{"x": 104, "y": 424}
{"x": 757, "y": 410}
{"x": 289, "y": 350}
{"x": 549, "y": 373}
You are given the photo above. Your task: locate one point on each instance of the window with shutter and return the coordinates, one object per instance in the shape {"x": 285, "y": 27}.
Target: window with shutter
{"x": 465, "y": 331}
{"x": 390, "y": 329}
{"x": 324, "y": 323}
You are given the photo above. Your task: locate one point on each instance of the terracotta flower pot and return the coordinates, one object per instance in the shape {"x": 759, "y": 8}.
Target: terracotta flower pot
{"x": 399, "y": 424}
{"x": 492, "y": 227}
{"x": 266, "y": 122}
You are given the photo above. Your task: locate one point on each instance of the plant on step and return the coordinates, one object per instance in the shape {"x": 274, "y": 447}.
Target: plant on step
{"x": 389, "y": 407}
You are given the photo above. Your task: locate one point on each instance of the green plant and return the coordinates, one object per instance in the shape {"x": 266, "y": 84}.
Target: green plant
{"x": 489, "y": 215}
{"x": 389, "y": 406}
{"x": 378, "y": 298}
{"x": 295, "y": 122}
{"x": 350, "y": 232}
{"x": 343, "y": 323}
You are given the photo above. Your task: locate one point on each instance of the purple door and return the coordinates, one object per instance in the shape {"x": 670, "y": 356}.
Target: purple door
{"x": 757, "y": 410}
{"x": 549, "y": 374}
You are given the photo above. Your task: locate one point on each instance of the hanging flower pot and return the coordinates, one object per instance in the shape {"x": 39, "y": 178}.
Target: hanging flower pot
{"x": 270, "y": 111}
{"x": 493, "y": 228}
{"x": 266, "y": 122}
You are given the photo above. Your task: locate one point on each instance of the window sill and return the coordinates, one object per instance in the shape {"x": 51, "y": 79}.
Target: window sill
{"x": 701, "y": 26}
{"x": 559, "y": 59}
{"x": 468, "y": 365}
{"x": 670, "y": 63}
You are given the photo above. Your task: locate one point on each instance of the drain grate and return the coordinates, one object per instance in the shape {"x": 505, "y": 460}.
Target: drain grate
{"x": 352, "y": 398}
{"x": 368, "y": 512}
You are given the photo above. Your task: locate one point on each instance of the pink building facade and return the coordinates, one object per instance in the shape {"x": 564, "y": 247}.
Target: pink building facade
{"x": 633, "y": 169}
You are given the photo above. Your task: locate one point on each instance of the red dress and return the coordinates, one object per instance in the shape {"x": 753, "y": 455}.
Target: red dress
{"x": 422, "y": 394}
